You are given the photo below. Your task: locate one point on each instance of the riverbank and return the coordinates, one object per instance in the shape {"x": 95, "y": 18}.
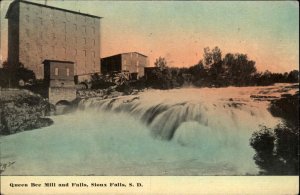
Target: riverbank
{"x": 22, "y": 110}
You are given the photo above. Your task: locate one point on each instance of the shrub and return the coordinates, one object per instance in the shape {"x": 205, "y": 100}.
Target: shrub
{"x": 277, "y": 150}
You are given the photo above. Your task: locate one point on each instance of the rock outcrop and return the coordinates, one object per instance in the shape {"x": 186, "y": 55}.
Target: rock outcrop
{"x": 22, "y": 110}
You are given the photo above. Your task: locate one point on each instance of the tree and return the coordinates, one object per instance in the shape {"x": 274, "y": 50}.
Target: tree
{"x": 5, "y": 75}
{"x": 207, "y": 57}
{"x": 11, "y": 75}
{"x": 216, "y": 55}
{"x": 238, "y": 69}
{"x": 293, "y": 76}
{"x": 162, "y": 76}
{"x": 161, "y": 63}
{"x": 211, "y": 57}
{"x": 25, "y": 74}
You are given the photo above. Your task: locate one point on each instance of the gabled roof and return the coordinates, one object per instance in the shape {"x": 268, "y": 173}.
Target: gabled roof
{"x": 135, "y": 52}
{"x": 47, "y": 6}
{"x": 124, "y": 53}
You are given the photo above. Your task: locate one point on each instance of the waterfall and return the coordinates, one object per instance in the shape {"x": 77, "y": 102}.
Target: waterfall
{"x": 173, "y": 132}
{"x": 163, "y": 114}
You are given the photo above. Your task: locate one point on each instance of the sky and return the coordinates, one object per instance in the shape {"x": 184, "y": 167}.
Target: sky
{"x": 267, "y": 31}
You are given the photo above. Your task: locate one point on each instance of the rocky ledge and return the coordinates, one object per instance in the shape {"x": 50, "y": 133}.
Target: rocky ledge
{"x": 21, "y": 110}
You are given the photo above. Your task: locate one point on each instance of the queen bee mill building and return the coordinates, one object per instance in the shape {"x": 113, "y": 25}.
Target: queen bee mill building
{"x": 38, "y": 32}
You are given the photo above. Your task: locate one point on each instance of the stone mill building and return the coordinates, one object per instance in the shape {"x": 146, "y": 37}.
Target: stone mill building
{"x": 37, "y": 32}
{"x": 132, "y": 62}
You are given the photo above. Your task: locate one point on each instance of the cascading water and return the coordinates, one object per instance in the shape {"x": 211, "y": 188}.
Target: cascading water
{"x": 174, "y": 132}
{"x": 164, "y": 113}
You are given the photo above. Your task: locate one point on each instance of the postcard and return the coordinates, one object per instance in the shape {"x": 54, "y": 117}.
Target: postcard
{"x": 149, "y": 97}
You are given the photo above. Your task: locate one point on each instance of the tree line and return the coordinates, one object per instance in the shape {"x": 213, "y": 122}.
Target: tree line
{"x": 216, "y": 71}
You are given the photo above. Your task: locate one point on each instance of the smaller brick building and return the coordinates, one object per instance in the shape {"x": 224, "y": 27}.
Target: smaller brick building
{"x": 132, "y": 62}
{"x": 59, "y": 80}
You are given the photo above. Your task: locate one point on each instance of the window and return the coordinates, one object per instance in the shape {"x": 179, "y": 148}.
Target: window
{"x": 53, "y": 35}
{"x": 65, "y": 27}
{"x": 84, "y": 40}
{"x": 56, "y": 71}
{"x": 84, "y": 52}
{"x": 93, "y": 29}
{"x": 27, "y": 32}
{"x": 85, "y": 29}
{"x": 27, "y": 46}
{"x": 68, "y": 72}
{"x": 53, "y": 23}
{"x": 40, "y": 21}
{"x": 93, "y": 54}
{"x": 94, "y": 42}
{"x": 65, "y": 52}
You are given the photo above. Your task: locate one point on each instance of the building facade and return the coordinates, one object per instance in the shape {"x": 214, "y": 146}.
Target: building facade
{"x": 59, "y": 80}
{"x": 132, "y": 62}
{"x": 37, "y": 32}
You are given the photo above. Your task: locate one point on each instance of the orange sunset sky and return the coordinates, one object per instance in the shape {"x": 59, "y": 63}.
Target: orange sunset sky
{"x": 179, "y": 30}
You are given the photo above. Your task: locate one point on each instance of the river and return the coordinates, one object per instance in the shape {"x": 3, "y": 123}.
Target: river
{"x": 190, "y": 131}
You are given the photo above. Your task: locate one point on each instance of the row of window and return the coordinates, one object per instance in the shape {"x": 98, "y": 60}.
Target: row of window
{"x": 53, "y": 37}
{"x": 64, "y": 49}
{"x": 69, "y": 16}
{"x": 56, "y": 72}
{"x": 64, "y": 24}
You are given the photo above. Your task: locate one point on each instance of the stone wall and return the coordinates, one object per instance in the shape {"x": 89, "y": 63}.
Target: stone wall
{"x": 57, "y": 94}
{"x": 134, "y": 63}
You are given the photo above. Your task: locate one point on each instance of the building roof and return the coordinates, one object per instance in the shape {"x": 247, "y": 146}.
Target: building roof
{"x": 60, "y": 61}
{"x": 152, "y": 67}
{"x": 125, "y": 53}
{"x": 47, "y": 6}
{"x": 135, "y": 52}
